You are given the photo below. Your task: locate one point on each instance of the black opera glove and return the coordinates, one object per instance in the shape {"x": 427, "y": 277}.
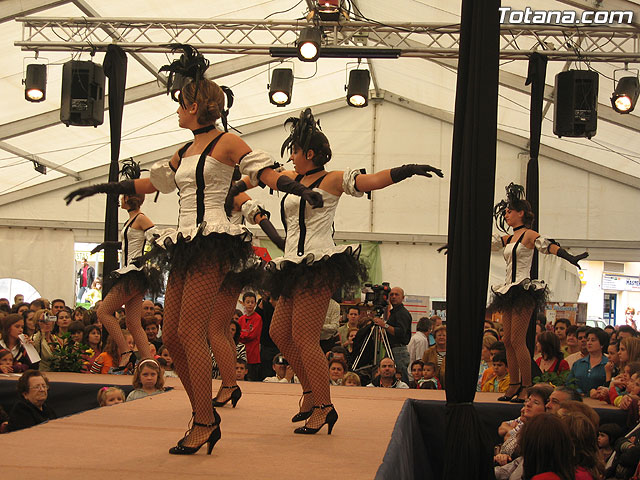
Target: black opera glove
{"x": 126, "y": 187}
{"x": 573, "y": 259}
{"x": 236, "y": 188}
{"x": 405, "y": 171}
{"x": 268, "y": 228}
{"x": 285, "y": 184}
{"x": 104, "y": 245}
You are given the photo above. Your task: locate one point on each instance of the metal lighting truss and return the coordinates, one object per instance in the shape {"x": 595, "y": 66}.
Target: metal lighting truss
{"x": 258, "y": 37}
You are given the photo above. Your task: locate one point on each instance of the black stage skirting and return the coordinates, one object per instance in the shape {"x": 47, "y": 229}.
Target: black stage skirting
{"x": 416, "y": 449}
{"x": 65, "y": 398}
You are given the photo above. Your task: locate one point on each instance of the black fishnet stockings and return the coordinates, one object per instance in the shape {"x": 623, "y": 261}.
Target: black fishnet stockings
{"x": 189, "y": 308}
{"x": 295, "y": 328}
{"x": 132, "y": 302}
{"x": 515, "y": 325}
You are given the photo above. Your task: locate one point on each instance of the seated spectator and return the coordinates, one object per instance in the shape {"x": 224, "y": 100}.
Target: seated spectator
{"x": 108, "y": 396}
{"x": 629, "y": 401}
{"x": 351, "y": 379}
{"x": 111, "y": 356}
{"x": 419, "y": 342}
{"x": 12, "y": 327}
{"x": 551, "y": 357}
{"x": 241, "y": 352}
{"x": 76, "y": 330}
{"x": 6, "y": 361}
{"x": 387, "y": 375}
{"x": 417, "y": 367}
{"x": 63, "y": 321}
{"x": 613, "y": 365}
{"x": 618, "y": 385}
{"x": 560, "y": 329}
{"x": 284, "y": 372}
{"x": 29, "y": 323}
{"x": 589, "y": 371}
{"x": 92, "y": 338}
{"x": 498, "y": 382}
{"x": 353, "y": 317}
{"x": 338, "y": 353}
{"x": 151, "y": 329}
{"x": 584, "y": 436}
{"x": 559, "y": 396}
{"x": 437, "y": 354}
{"x": 44, "y": 341}
{"x": 547, "y": 451}
{"x": 337, "y": 369}
{"x": 485, "y": 358}
{"x": 534, "y": 405}
{"x": 167, "y": 364}
{"x": 429, "y": 380}
{"x": 572, "y": 406}
{"x": 31, "y": 409}
{"x": 241, "y": 369}
{"x": 148, "y": 380}
{"x": 608, "y": 434}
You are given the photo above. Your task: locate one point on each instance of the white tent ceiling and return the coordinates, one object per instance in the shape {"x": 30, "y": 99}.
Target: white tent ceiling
{"x": 34, "y": 129}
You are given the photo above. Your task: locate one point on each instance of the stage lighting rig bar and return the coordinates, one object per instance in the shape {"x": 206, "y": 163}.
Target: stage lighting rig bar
{"x": 258, "y": 37}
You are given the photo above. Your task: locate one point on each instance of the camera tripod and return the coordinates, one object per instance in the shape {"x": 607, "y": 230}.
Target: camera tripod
{"x": 379, "y": 335}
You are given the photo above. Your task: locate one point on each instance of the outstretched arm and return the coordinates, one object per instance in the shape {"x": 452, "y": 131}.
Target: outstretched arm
{"x": 550, "y": 246}
{"x": 376, "y": 181}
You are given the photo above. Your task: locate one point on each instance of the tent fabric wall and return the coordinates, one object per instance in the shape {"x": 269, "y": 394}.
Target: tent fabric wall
{"x": 42, "y": 257}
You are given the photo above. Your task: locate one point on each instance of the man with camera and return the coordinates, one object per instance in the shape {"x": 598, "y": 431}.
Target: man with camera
{"x": 398, "y": 328}
{"x": 284, "y": 372}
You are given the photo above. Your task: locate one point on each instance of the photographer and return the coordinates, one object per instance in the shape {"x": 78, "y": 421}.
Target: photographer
{"x": 284, "y": 372}
{"x": 398, "y": 328}
{"x": 44, "y": 341}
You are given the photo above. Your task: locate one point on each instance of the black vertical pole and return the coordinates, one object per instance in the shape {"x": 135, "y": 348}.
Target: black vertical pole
{"x": 115, "y": 68}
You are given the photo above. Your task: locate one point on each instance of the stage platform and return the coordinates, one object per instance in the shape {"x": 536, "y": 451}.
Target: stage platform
{"x": 131, "y": 440}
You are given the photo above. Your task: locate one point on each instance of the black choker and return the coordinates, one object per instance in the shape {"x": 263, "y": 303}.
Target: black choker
{"x": 315, "y": 170}
{"x": 131, "y": 210}
{"x": 519, "y": 227}
{"x": 206, "y": 129}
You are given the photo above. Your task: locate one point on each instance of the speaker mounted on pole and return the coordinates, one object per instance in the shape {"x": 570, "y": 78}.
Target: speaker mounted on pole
{"x": 576, "y": 104}
{"x": 82, "y": 101}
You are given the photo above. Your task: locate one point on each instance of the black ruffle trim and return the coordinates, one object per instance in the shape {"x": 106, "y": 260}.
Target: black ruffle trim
{"x": 230, "y": 252}
{"x": 149, "y": 279}
{"x": 517, "y": 298}
{"x": 342, "y": 270}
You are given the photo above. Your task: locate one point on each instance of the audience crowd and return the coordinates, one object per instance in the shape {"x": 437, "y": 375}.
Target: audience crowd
{"x": 555, "y": 431}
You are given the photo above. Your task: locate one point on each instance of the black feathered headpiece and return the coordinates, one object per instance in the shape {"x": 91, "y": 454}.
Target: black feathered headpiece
{"x": 515, "y": 195}
{"x": 302, "y": 131}
{"x": 131, "y": 169}
{"x": 189, "y": 67}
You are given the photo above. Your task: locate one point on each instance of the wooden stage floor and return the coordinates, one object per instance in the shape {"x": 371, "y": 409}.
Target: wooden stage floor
{"x": 131, "y": 440}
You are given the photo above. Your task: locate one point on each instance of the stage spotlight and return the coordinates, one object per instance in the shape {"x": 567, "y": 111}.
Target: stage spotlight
{"x": 309, "y": 44}
{"x": 625, "y": 95}
{"x": 329, "y": 10}
{"x": 35, "y": 82}
{"x": 281, "y": 86}
{"x": 358, "y": 88}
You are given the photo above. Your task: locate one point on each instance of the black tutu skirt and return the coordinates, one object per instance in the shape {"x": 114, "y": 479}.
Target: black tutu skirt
{"x": 519, "y": 296}
{"x": 341, "y": 270}
{"x": 149, "y": 279}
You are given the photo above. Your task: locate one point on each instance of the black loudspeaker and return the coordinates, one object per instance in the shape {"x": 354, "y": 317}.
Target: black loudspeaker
{"x": 576, "y": 105}
{"x": 82, "y": 94}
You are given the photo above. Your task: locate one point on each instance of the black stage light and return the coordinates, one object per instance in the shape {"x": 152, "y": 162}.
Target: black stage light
{"x": 625, "y": 95}
{"x": 281, "y": 86}
{"x": 308, "y": 44}
{"x": 358, "y": 88}
{"x": 35, "y": 82}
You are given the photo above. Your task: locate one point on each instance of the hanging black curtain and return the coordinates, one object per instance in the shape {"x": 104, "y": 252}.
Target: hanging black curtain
{"x": 115, "y": 68}
{"x": 536, "y": 78}
{"x": 468, "y": 450}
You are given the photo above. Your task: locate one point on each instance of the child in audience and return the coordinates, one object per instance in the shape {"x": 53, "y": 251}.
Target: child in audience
{"x": 499, "y": 380}
{"x": 351, "y": 379}
{"x": 241, "y": 369}
{"x": 111, "y": 357}
{"x": 608, "y": 433}
{"x": 429, "y": 380}
{"x": 629, "y": 401}
{"x": 417, "y": 367}
{"x": 108, "y": 396}
{"x": 92, "y": 338}
{"x": 148, "y": 379}
{"x": 76, "y": 329}
{"x": 6, "y": 361}
{"x": 168, "y": 366}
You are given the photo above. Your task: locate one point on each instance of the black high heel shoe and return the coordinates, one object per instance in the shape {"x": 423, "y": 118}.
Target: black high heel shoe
{"x": 516, "y": 398}
{"x": 131, "y": 361}
{"x": 235, "y": 396}
{"x": 330, "y": 420}
{"x": 509, "y": 398}
{"x": 300, "y": 416}
{"x": 215, "y": 435}
{"x": 216, "y": 419}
